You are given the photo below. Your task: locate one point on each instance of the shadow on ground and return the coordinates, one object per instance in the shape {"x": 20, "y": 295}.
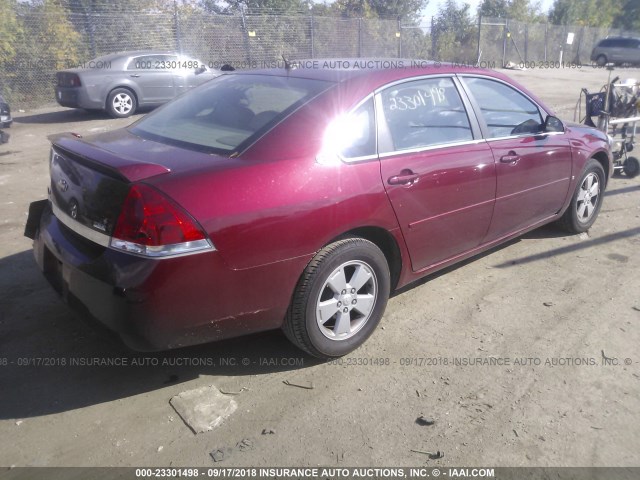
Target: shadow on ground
{"x": 52, "y": 361}
{"x": 69, "y": 115}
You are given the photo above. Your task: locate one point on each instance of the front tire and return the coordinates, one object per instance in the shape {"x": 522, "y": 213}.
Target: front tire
{"x": 339, "y": 299}
{"x": 587, "y": 199}
{"x": 121, "y": 103}
{"x": 601, "y": 61}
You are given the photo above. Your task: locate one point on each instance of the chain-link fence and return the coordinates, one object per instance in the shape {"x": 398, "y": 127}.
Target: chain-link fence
{"x": 50, "y": 41}
{"x": 35, "y": 42}
{"x": 507, "y": 41}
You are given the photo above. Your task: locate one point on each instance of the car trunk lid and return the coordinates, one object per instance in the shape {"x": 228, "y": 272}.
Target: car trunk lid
{"x": 91, "y": 177}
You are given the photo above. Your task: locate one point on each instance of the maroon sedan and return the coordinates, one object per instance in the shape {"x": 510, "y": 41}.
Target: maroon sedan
{"x": 300, "y": 198}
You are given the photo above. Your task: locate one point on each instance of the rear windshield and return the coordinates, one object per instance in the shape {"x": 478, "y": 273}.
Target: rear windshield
{"x": 228, "y": 113}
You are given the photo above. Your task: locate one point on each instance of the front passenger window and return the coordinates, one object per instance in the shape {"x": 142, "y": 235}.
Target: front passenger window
{"x": 505, "y": 111}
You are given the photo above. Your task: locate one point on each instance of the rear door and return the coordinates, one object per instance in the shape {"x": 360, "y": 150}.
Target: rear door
{"x": 438, "y": 172}
{"x": 533, "y": 169}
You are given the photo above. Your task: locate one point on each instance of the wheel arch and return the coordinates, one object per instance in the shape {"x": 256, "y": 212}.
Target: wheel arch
{"x": 384, "y": 241}
{"x": 603, "y": 159}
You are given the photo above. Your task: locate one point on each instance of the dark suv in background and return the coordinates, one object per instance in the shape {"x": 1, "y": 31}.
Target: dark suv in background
{"x": 616, "y": 50}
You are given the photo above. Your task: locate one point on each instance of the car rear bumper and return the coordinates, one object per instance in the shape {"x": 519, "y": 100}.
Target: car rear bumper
{"x": 152, "y": 304}
{"x": 76, "y": 97}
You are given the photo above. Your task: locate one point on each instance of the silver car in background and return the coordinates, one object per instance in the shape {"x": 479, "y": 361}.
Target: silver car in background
{"x": 617, "y": 50}
{"x": 120, "y": 83}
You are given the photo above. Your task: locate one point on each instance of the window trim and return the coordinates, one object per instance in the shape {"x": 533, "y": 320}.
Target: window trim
{"x": 396, "y": 153}
{"x": 384, "y": 136}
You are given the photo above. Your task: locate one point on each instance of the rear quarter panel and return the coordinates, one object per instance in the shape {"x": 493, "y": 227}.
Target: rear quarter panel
{"x": 278, "y": 202}
{"x": 99, "y": 82}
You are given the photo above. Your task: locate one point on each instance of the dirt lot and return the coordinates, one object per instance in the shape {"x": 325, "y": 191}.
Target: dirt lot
{"x": 550, "y": 307}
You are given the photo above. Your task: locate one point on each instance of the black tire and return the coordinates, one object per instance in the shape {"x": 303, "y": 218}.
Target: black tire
{"x": 582, "y": 212}
{"x": 121, "y": 103}
{"x": 601, "y": 60}
{"x": 631, "y": 167}
{"x": 348, "y": 256}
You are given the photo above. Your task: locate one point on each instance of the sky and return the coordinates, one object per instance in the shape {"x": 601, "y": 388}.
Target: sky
{"x": 434, "y": 5}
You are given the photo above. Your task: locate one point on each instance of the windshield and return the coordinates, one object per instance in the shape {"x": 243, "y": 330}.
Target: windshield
{"x": 227, "y": 113}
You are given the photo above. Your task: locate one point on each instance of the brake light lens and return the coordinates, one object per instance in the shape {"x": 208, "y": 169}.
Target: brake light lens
{"x": 153, "y": 226}
{"x": 66, "y": 79}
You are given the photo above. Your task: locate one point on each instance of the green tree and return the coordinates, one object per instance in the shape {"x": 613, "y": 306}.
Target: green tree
{"x": 493, "y": 8}
{"x": 525, "y": 11}
{"x": 592, "y": 13}
{"x": 56, "y": 38}
{"x": 629, "y": 16}
{"x": 407, "y": 10}
{"x": 452, "y": 33}
{"x": 10, "y": 30}
{"x": 258, "y": 6}
{"x": 354, "y": 9}
{"x": 522, "y": 10}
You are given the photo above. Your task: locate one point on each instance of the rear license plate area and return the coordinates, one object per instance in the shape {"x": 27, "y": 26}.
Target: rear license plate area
{"x": 54, "y": 272}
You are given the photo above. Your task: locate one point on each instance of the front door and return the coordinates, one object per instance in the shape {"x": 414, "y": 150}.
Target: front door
{"x": 533, "y": 168}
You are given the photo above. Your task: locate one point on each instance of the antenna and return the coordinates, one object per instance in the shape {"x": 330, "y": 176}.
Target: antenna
{"x": 287, "y": 63}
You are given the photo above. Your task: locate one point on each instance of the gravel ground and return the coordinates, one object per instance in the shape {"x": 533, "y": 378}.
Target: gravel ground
{"x": 559, "y": 315}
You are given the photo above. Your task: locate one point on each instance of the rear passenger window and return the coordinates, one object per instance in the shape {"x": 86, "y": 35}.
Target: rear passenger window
{"x": 362, "y": 141}
{"x": 505, "y": 111}
{"x": 424, "y": 113}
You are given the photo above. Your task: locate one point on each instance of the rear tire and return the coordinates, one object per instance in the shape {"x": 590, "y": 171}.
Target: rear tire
{"x": 121, "y": 103}
{"x": 587, "y": 199}
{"x": 631, "y": 167}
{"x": 339, "y": 299}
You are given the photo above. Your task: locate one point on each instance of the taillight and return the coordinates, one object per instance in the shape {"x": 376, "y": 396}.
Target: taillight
{"x": 68, "y": 79}
{"x": 152, "y": 225}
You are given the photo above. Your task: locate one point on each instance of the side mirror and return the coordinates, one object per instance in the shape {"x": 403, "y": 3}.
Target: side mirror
{"x": 553, "y": 124}
{"x": 201, "y": 69}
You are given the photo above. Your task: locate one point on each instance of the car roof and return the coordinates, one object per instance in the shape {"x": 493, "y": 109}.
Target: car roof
{"x": 369, "y": 70}
{"x": 373, "y": 76}
{"x": 135, "y": 53}
{"x": 636, "y": 39}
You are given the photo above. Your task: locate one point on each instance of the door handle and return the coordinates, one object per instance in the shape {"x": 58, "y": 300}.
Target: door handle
{"x": 134, "y": 75}
{"x": 510, "y": 157}
{"x": 406, "y": 177}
